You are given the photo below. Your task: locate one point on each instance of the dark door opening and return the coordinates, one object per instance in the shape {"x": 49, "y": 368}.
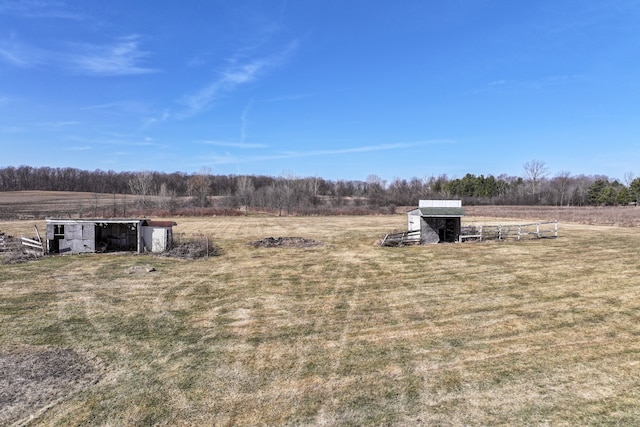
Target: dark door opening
{"x": 114, "y": 237}
{"x": 447, "y": 234}
{"x": 54, "y": 246}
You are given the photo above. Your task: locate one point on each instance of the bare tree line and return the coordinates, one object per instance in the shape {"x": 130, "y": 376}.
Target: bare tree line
{"x": 289, "y": 194}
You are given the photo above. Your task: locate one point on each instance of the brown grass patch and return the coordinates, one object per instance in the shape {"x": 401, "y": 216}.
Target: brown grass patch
{"x": 621, "y": 216}
{"x": 541, "y": 332}
{"x": 34, "y": 379}
{"x": 285, "y": 242}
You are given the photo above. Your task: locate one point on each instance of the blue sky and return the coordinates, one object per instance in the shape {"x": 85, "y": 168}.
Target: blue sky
{"x": 341, "y": 89}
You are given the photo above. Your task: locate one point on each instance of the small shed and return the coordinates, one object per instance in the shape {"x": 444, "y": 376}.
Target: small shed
{"x": 158, "y": 235}
{"x": 77, "y": 236}
{"x": 439, "y": 221}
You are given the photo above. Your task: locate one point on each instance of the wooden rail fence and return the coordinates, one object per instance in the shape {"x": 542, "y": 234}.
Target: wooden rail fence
{"x": 539, "y": 230}
{"x": 33, "y": 246}
{"x": 401, "y": 238}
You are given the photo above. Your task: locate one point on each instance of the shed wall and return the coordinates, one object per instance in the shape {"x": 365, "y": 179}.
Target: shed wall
{"x": 78, "y": 238}
{"x": 439, "y": 229}
{"x": 413, "y": 220}
{"x": 157, "y": 239}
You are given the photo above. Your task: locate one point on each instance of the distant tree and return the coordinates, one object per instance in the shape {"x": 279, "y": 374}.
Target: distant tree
{"x": 245, "y": 191}
{"x": 472, "y": 186}
{"x": 534, "y": 171}
{"x": 275, "y": 196}
{"x": 607, "y": 196}
{"x": 140, "y": 185}
{"x": 399, "y": 193}
{"x": 560, "y": 184}
{"x": 603, "y": 193}
{"x": 167, "y": 198}
{"x": 634, "y": 190}
{"x": 376, "y": 187}
{"x": 623, "y": 197}
{"x": 199, "y": 187}
{"x": 628, "y": 178}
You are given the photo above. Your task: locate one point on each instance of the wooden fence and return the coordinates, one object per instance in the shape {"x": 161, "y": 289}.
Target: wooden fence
{"x": 33, "y": 246}
{"x": 401, "y": 238}
{"x": 538, "y": 230}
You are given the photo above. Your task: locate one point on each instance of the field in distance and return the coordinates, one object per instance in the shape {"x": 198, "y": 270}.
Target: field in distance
{"x": 345, "y": 333}
{"x": 29, "y": 205}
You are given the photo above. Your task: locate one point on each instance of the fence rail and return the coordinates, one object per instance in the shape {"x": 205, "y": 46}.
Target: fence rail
{"x": 538, "y": 230}
{"x": 401, "y": 238}
{"x": 33, "y": 246}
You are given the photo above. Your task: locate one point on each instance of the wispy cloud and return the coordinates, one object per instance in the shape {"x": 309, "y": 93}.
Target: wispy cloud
{"x": 363, "y": 149}
{"x": 238, "y": 72}
{"x": 227, "y": 158}
{"x": 231, "y": 144}
{"x": 78, "y": 148}
{"x": 11, "y": 129}
{"x": 123, "y": 57}
{"x": 18, "y": 54}
{"x": 39, "y": 9}
{"x": 12, "y": 58}
{"x": 516, "y": 86}
{"x": 150, "y": 121}
{"x": 125, "y": 140}
{"x": 100, "y": 106}
{"x": 59, "y": 125}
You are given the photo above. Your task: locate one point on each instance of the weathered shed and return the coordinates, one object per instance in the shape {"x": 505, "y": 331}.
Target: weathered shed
{"x": 438, "y": 220}
{"x": 158, "y": 235}
{"x": 101, "y": 235}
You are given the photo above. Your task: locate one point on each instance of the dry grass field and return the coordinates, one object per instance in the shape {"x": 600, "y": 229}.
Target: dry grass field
{"x": 537, "y": 332}
{"x": 40, "y": 204}
{"x": 621, "y": 216}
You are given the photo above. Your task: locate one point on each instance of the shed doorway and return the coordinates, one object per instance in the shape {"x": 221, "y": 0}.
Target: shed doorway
{"x": 114, "y": 237}
{"x": 447, "y": 234}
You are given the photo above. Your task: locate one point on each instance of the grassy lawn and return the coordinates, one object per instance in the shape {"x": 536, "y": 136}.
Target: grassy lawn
{"x": 348, "y": 333}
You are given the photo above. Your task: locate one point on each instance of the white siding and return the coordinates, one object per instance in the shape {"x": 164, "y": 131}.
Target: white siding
{"x": 413, "y": 220}
{"x": 156, "y": 239}
{"x": 440, "y": 203}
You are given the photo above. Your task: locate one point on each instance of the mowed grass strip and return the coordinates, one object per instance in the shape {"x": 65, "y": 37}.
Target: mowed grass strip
{"x": 347, "y": 333}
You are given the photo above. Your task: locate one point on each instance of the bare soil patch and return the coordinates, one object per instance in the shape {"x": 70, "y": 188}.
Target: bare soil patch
{"x": 11, "y": 251}
{"x": 286, "y": 242}
{"x": 191, "y": 250}
{"x": 34, "y": 379}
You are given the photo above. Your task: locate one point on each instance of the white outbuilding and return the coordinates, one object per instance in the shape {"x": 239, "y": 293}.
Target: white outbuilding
{"x": 75, "y": 236}
{"x": 439, "y": 221}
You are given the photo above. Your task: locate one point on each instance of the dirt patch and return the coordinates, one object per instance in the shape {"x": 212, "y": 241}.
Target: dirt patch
{"x": 11, "y": 251}
{"x": 33, "y": 380}
{"x": 285, "y": 242}
{"x": 191, "y": 250}
{"x": 137, "y": 269}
